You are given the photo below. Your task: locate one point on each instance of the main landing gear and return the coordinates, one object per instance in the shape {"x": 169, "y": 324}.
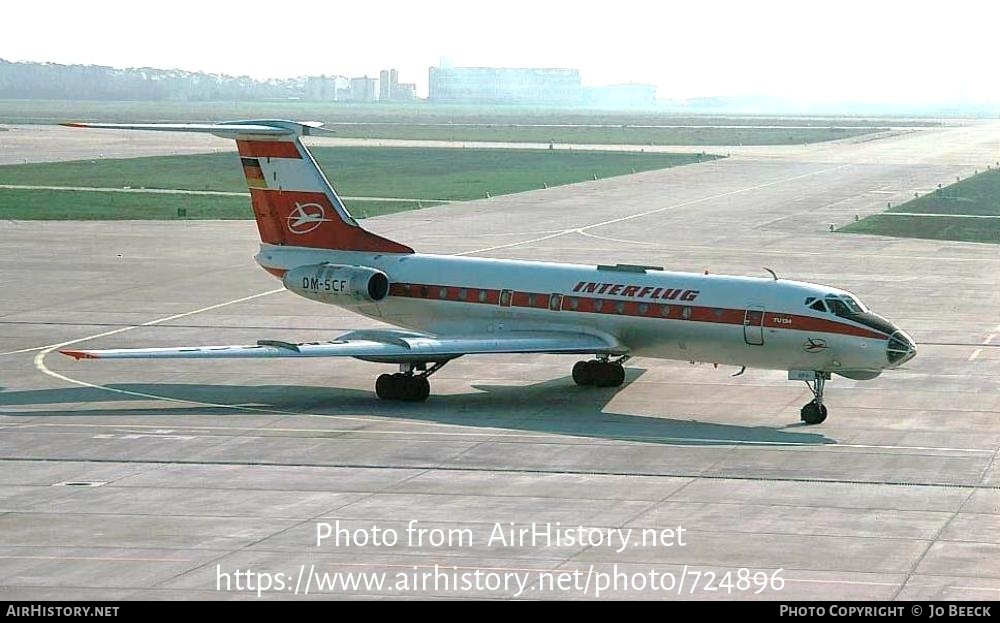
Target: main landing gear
{"x": 407, "y": 385}
{"x": 600, "y": 372}
{"x": 814, "y": 412}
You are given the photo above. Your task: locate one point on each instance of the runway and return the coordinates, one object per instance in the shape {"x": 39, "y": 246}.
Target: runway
{"x": 188, "y": 470}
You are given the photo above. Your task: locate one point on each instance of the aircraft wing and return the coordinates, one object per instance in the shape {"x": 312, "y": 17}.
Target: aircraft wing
{"x": 381, "y": 346}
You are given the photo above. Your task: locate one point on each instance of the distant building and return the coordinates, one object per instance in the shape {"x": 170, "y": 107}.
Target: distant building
{"x": 363, "y": 89}
{"x": 404, "y": 92}
{"x": 621, "y": 96}
{"x": 383, "y": 85}
{"x": 391, "y": 90}
{"x": 326, "y": 88}
{"x": 504, "y": 85}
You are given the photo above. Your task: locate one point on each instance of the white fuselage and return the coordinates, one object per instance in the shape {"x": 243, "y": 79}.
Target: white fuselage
{"x": 744, "y": 321}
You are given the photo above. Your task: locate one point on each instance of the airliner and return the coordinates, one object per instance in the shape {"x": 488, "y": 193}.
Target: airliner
{"x": 444, "y": 307}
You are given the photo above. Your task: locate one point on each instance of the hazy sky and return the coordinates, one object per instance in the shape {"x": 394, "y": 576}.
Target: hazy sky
{"x": 816, "y": 50}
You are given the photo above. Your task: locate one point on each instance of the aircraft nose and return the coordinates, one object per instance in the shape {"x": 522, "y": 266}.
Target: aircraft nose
{"x": 899, "y": 349}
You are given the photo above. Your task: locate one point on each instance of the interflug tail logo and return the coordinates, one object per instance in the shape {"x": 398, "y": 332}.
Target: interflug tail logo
{"x": 306, "y": 217}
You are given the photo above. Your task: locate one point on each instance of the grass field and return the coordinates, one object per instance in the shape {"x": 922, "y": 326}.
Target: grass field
{"x": 468, "y": 123}
{"x": 67, "y": 205}
{"x": 978, "y": 195}
{"x": 425, "y": 175}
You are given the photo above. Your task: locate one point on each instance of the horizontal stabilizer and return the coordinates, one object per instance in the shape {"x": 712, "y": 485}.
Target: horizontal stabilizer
{"x": 228, "y": 129}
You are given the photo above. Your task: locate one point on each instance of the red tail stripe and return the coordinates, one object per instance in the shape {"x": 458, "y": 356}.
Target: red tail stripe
{"x": 281, "y": 219}
{"x": 268, "y": 149}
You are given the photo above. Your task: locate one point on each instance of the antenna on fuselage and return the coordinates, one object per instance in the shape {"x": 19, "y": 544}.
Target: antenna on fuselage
{"x": 773, "y": 274}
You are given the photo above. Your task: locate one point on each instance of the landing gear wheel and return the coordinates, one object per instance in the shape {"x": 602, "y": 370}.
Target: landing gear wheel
{"x": 384, "y": 385}
{"x": 416, "y": 389}
{"x": 813, "y": 413}
{"x": 598, "y": 373}
{"x": 614, "y": 375}
{"x": 402, "y": 387}
{"x": 583, "y": 373}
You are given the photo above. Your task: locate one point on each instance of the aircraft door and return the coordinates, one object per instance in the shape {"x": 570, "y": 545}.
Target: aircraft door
{"x": 503, "y": 313}
{"x": 753, "y": 325}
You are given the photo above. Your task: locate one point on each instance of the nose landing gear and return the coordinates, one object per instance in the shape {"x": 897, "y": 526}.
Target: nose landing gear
{"x": 600, "y": 372}
{"x": 814, "y": 412}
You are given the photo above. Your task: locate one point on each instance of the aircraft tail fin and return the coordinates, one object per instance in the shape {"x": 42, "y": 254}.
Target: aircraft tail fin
{"x": 293, "y": 202}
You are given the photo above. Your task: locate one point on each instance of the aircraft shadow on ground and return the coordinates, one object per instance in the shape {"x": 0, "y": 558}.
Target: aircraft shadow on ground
{"x": 551, "y": 407}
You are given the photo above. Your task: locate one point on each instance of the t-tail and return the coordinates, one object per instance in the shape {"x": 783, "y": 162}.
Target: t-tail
{"x": 292, "y": 200}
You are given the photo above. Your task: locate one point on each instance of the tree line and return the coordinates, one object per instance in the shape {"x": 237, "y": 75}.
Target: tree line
{"x": 31, "y": 80}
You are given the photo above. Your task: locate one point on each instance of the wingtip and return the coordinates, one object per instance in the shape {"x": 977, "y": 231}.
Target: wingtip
{"x": 79, "y": 354}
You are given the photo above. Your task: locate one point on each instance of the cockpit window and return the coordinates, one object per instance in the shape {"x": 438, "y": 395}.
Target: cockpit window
{"x": 819, "y": 306}
{"x": 844, "y": 306}
{"x": 853, "y": 304}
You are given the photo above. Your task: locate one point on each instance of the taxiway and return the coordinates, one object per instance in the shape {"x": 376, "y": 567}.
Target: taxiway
{"x": 144, "y": 479}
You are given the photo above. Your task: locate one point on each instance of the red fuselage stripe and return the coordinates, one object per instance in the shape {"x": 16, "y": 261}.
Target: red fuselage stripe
{"x": 617, "y": 307}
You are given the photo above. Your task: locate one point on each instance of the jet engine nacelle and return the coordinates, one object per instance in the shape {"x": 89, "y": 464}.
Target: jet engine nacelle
{"x": 338, "y": 284}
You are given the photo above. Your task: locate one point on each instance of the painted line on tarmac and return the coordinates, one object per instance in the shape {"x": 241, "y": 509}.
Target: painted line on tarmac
{"x": 629, "y": 217}
{"x": 694, "y": 442}
{"x": 939, "y": 215}
{"x": 51, "y": 347}
{"x": 39, "y": 362}
{"x": 46, "y": 350}
{"x": 438, "y": 467}
{"x": 975, "y": 354}
{"x": 769, "y": 252}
